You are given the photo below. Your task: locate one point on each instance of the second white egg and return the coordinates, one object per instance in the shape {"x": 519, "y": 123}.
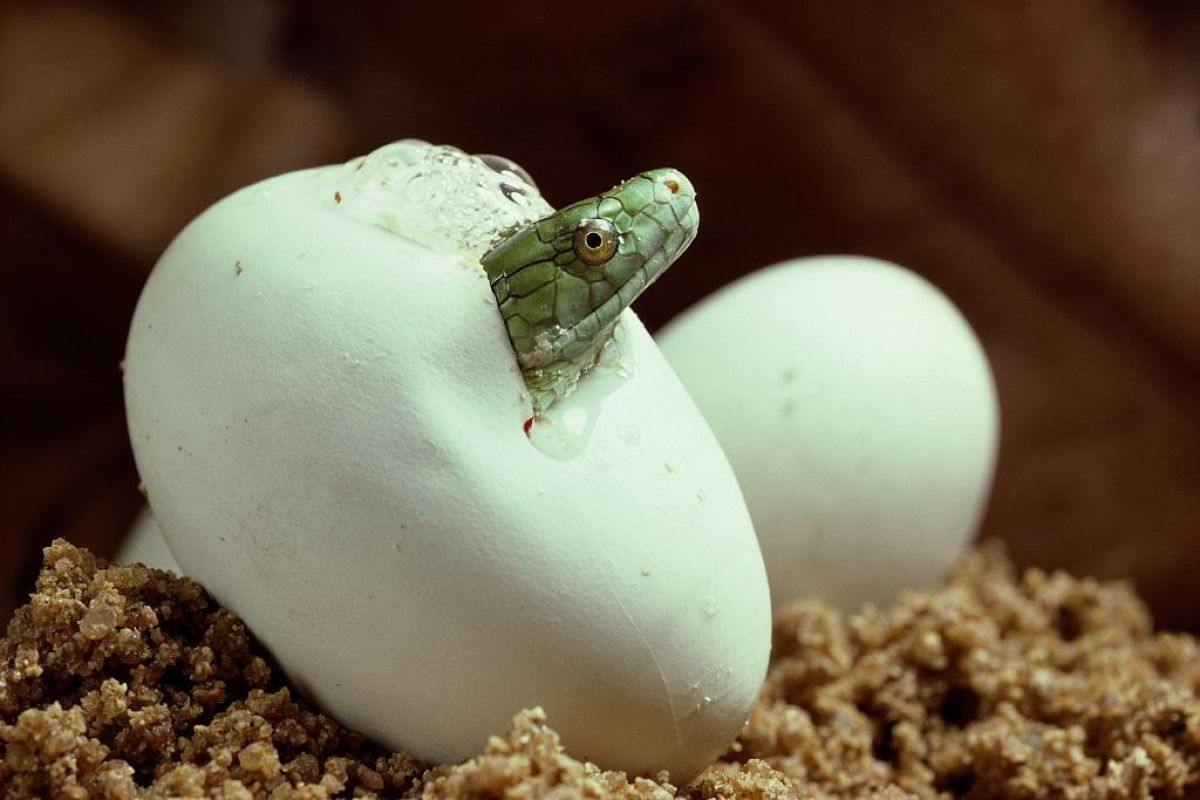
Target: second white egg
{"x": 860, "y": 416}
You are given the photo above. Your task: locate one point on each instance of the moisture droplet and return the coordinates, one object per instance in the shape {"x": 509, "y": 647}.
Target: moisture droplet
{"x": 439, "y": 197}
{"x": 645, "y": 572}
{"x": 711, "y": 607}
{"x": 514, "y": 194}
{"x": 566, "y": 426}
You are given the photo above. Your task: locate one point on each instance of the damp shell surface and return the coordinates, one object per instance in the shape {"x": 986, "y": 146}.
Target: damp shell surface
{"x": 859, "y": 412}
{"x": 329, "y": 421}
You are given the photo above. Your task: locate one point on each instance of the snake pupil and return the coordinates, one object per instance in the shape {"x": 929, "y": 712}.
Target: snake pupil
{"x": 596, "y": 241}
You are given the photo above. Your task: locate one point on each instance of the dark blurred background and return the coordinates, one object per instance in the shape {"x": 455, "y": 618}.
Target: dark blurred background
{"x": 1038, "y": 161}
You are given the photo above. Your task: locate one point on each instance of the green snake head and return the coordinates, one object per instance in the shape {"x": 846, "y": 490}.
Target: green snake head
{"x": 562, "y": 282}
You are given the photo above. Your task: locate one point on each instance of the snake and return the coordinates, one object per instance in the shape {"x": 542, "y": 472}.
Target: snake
{"x": 562, "y": 281}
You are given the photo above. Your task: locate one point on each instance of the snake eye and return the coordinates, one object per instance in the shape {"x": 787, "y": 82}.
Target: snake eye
{"x": 595, "y": 241}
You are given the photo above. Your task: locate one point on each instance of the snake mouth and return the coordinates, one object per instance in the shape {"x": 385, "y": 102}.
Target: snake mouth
{"x": 690, "y": 222}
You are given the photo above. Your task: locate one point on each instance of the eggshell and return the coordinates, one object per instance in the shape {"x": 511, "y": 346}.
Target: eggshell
{"x": 860, "y": 416}
{"x": 329, "y": 420}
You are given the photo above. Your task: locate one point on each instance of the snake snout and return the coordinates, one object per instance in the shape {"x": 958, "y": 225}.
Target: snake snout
{"x": 670, "y": 185}
{"x": 675, "y": 198}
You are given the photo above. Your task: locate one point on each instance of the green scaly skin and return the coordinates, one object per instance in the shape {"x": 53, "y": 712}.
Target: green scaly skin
{"x": 559, "y": 310}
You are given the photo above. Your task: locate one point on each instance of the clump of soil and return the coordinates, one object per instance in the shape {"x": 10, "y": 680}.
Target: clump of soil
{"x": 129, "y": 682}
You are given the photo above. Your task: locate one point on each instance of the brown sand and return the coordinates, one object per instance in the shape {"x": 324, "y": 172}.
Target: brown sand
{"x": 122, "y": 682}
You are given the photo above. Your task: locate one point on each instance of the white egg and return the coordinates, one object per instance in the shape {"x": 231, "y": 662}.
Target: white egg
{"x": 860, "y": 416}
{"x": 329, "y": 421}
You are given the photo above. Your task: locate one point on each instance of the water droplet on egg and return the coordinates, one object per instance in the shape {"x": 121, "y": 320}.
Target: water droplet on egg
{"x": 566, "y": 427}
{"x": 711, "y": 607}
{"x": 440, "y": 197}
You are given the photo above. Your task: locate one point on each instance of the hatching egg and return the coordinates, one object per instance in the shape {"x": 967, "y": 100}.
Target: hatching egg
{"x": 334, "y": 435}
{"x": 859, "y": 413}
